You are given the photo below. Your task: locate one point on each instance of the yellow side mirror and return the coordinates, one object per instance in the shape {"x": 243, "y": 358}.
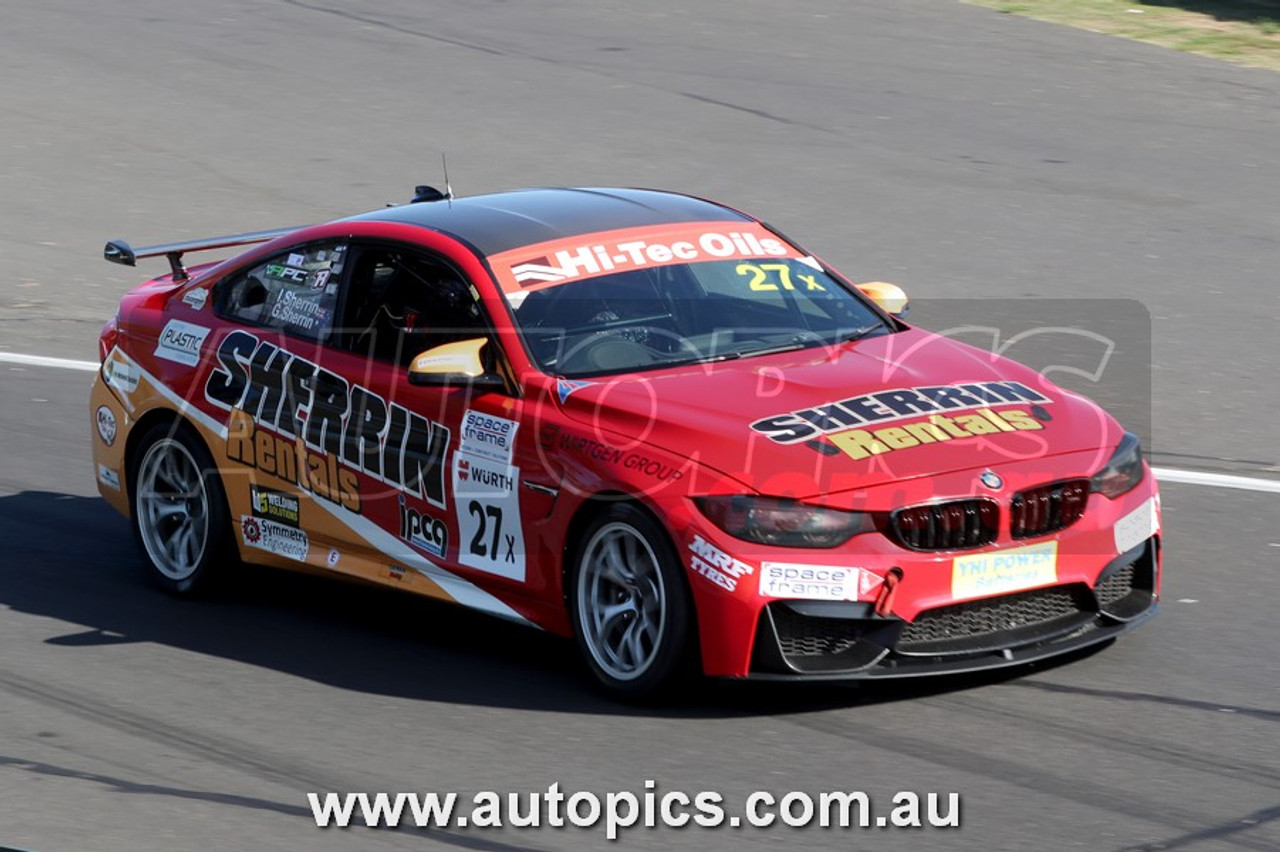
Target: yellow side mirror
{"x": 890, "y": 297}
{"x": 450, "y": 364}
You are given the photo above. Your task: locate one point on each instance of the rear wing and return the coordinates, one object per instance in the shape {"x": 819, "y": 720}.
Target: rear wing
{"x": 118, "y": 251}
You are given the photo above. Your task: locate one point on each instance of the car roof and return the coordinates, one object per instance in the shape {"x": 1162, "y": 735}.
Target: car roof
{"x": 501, "y": 221}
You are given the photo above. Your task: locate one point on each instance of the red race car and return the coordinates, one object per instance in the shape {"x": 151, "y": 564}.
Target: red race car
{"x": 637, "y": 418}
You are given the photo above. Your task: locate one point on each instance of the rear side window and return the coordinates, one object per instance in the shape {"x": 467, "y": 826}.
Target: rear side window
{"x": 401, "y": 303}
{"x": 295, "y": 292}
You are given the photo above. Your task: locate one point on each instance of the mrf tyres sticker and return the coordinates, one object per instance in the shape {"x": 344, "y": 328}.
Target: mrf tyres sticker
{"x": 716, "y": 566}
{"x": 487, "y": 504}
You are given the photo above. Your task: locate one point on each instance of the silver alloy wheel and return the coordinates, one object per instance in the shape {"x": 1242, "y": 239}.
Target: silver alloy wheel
{"x": 172, "y": 506}
{"x": 621, "y": 601}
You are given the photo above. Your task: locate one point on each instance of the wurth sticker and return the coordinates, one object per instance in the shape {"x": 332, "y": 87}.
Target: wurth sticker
{"x": 274, "y": 537}
{"x": 548, "y": 264}
{"x": 487, "y": 504}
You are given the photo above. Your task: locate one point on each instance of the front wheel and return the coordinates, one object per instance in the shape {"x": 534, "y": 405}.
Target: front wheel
{"x": 180, "y": 515}
{"x": 629, "y": 603}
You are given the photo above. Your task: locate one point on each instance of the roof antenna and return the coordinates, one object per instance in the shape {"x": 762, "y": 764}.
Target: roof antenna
{"x": 448, "y": 189}
{"x": 424, "y": 192}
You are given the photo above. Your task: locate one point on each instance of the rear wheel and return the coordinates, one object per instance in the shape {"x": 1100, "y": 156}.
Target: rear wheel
{"x": 629, "y": 602}
{"x": 180, "y": 517}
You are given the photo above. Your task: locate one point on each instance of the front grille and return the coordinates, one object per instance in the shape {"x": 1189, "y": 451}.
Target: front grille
{"x": 957, "y": 525}
{"x": 962, "y": 627}
{"x": 1115, "y": 587}
{"x": 1047, "y": 508}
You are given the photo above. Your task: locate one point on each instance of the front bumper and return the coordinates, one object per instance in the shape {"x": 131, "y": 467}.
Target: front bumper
{"x": 821, "y": 640}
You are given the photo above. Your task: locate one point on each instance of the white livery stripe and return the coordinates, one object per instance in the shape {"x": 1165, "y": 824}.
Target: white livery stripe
{"x": 463, "y": 591}
{"x": 184, "y": 408}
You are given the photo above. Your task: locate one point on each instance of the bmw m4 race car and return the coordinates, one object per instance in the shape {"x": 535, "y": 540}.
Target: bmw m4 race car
{"x": 637, "y": 418}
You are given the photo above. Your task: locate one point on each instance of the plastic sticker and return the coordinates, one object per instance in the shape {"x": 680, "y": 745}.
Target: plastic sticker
{"x": 180, "y": 342}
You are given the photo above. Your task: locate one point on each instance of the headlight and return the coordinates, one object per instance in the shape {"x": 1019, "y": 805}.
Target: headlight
{"x": 1123, "y": 472}
{"x": 783, "y": 523}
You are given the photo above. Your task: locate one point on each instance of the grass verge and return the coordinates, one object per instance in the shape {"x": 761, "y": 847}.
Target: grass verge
{"x": 1246, "y": 32}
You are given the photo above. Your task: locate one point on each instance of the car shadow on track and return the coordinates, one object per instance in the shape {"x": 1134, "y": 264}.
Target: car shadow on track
{"x": 73, "y": 559}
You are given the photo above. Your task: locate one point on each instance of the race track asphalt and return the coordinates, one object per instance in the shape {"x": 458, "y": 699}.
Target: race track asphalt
{"x": 963, "y": 154}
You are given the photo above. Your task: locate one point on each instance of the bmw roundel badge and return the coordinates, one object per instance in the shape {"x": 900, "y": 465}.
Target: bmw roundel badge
{"x": 992, "y": 480}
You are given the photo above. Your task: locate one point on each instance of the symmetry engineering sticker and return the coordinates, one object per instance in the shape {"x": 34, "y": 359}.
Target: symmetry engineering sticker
{"x": 274, "y": 538}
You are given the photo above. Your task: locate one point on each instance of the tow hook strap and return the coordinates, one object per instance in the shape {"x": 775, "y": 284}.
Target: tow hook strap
{"x": 884, "y": 601}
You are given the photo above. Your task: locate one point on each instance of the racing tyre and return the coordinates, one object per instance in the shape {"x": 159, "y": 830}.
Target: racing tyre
{"x": 180, "y": 517}
{"x": 630, "y": 604}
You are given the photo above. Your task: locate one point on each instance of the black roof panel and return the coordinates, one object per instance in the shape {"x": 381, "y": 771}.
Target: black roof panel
{"x": 501, "y": 221}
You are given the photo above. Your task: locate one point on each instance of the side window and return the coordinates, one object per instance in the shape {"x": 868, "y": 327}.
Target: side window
{"x": 295, "y": 292}
{"x": 400, "y": 303}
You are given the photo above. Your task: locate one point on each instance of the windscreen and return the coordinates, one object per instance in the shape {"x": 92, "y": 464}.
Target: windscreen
{"x": 632, "y": 302}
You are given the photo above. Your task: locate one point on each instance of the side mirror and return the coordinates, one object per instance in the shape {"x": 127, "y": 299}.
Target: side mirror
{"x": 455, "y": 363}
{"x": 890, "y": 297}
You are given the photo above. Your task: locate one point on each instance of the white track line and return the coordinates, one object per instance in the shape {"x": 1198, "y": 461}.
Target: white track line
{"x": 43, "y": 361}
{"x": 1216, "y": 480}
{"x": 1165, "y": 474}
